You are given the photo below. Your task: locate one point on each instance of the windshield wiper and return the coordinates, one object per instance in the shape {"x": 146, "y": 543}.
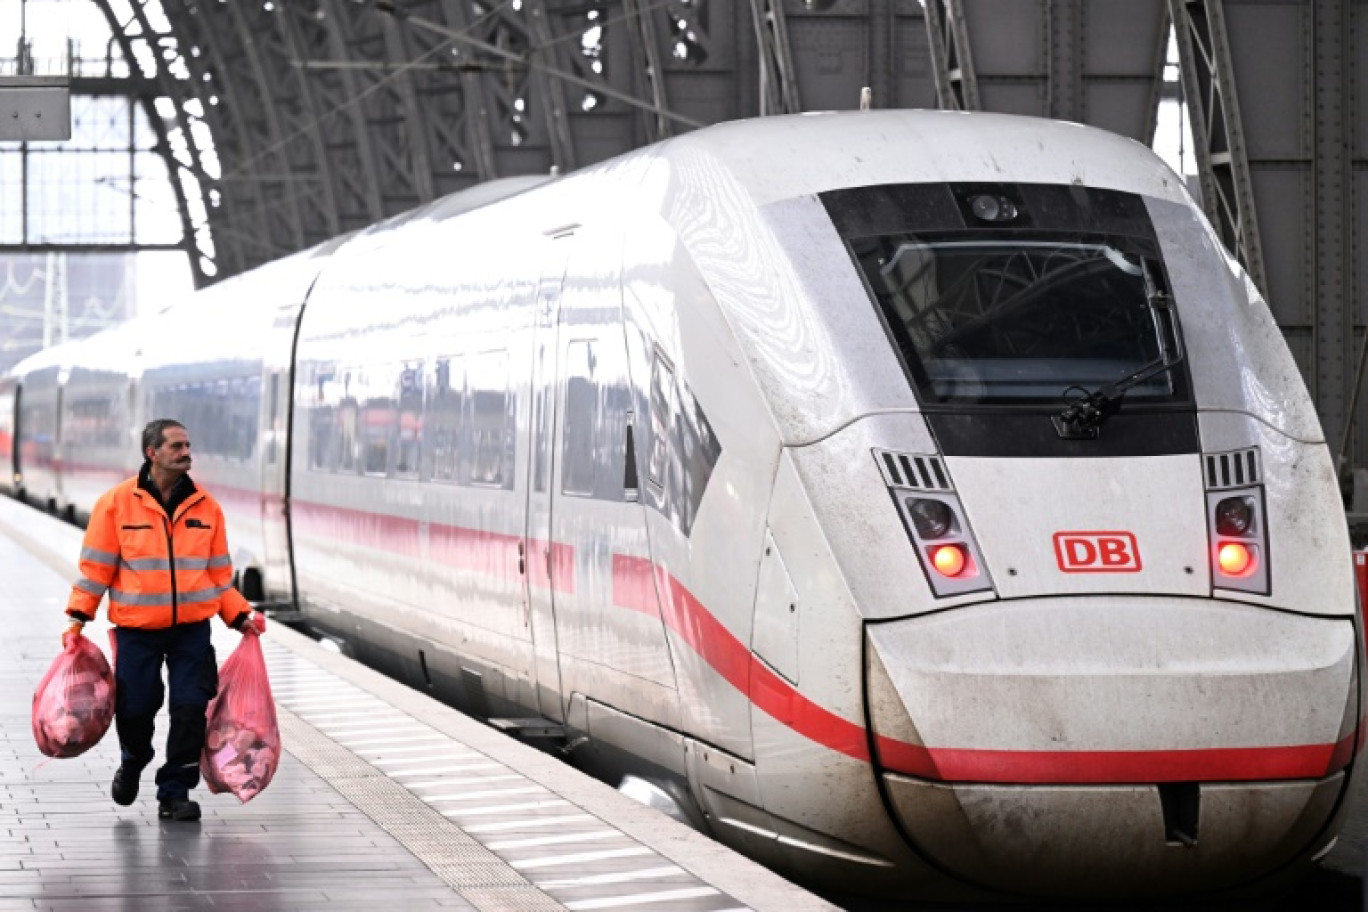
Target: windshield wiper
{"x": 1084, "y": 415}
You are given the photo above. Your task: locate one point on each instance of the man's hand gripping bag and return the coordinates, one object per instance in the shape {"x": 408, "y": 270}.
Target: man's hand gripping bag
{"x": 242, "y": 746}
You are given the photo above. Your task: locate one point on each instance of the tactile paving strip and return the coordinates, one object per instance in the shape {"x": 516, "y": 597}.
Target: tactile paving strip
{"x": 473, "y": 822}
{"x": 444, "y": 847}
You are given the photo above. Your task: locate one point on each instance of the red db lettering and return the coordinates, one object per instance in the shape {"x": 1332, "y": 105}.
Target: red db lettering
{"x": 1114, "y": 553}
{"x": 1081, "y": 552}
{"x": 1097, "y": 552}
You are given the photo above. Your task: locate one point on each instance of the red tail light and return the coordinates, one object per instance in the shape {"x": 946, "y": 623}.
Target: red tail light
{"x": 1235, "y": 559}
{"x": 949, "y": 560}
{"x": 1237, "y": 522}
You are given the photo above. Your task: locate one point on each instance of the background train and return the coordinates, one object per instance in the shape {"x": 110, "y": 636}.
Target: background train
{"x": 920, "y": 502}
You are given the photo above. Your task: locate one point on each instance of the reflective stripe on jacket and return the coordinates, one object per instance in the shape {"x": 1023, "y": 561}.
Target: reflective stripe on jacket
{"x": 158, "y": 571}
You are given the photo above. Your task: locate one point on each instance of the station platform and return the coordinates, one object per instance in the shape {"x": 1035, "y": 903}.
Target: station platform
{"x": 385, "y": 798}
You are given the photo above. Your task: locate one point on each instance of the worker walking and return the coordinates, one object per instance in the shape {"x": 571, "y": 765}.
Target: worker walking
{"x": 157, "y": 545}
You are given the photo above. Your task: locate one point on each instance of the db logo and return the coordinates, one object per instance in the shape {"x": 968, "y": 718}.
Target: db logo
{"x": 1097, "y": 552}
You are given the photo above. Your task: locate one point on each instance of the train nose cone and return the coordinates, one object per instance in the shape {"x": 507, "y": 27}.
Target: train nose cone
{"x": 1118, "y": 747}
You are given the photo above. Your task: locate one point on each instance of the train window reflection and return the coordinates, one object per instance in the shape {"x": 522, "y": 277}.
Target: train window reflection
{"x": 581, "y": 419}
{"x": 662, "y": 384}
{"x": 346, "y": 434}
{"x": 92, "y": 422}
{"x": 446, "y": 408}
{"x": 1015, "y": 319}
{"x": 409, "y": 431}
{"x": 491, "y": 433}
{"x": 377, "y": 424}
{"x": 221, "y": 414}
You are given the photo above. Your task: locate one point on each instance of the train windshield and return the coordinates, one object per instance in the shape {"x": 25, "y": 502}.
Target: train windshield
{"x": 1008, "y": 294}
{"x": 1013, "y": 319}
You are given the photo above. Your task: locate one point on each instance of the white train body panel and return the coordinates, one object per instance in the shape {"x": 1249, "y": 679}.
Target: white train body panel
{"x": 665, "y": 451}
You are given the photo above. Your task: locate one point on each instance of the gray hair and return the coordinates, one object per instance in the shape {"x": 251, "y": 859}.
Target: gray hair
{"x": 154, "y": 435}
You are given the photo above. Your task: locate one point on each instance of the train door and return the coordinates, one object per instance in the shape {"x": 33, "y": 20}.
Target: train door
{"x": 538, "y": 551}
{"x": 277, "y": 394}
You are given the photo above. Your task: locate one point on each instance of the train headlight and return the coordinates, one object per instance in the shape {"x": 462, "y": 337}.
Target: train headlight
{"x": 931, "y": 518}
{"x": 1235, "y": 559}
{"x": 1235, "y": 516}
{"x": 992, "y": 207}
{"x": 949, "y": 560}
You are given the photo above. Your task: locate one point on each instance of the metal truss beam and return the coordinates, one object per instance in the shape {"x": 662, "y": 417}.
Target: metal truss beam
{"x": 239, "y": 214}
{"x": 178, "y": 145}
{"x": 554, "y": 115}
{"x": 952, "y": 60}
{"x": 465, "y": 136}
{"x": 1090, "y": 61}
{"x": 293, "y": 92}
{"x": 315, "y": 35}
{"x": 648, "y": 62}
{"x": 778, "y": 82}
{"x": 1217, "y": 130}
{"x": 247, "y": 26}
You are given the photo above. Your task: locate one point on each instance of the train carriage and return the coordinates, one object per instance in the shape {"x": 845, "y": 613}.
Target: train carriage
{"x": 922, "y": 501}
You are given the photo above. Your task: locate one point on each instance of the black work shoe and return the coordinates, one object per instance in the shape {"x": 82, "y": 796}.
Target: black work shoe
{"x": 178, "y": 809}
{"x": 125, "y": 788}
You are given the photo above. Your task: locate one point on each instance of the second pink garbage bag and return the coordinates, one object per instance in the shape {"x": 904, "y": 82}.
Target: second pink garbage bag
{"x": 242, "y": 744}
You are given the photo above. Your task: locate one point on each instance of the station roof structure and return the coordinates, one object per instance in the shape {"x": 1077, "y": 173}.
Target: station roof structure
{"x": 286, "y": 122}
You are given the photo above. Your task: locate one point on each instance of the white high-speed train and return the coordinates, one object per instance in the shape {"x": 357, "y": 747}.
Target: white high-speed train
{"x": 923, "y": 503}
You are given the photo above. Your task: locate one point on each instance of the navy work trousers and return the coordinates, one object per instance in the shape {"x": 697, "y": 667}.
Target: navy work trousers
{"x": 192, "y": 673}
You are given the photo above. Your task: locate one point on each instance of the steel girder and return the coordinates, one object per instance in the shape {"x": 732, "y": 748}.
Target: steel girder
{"x": 952, "y": 60}
{"x": 1097, "y": 62}
{"x": 836, "y": 48}
{"x": 1217, "y": 129}
{"x": 154, "y": 54}
{"x": 778, "y": 82}
{"x": 1290, "y": 193}
{"x": 290, "y": 121}
{"x": 328, "y": 115}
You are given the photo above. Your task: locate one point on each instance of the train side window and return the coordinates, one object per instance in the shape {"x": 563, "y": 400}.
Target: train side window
{"x": 489, "y": 412}
{"x": 322, "y": 417}
{"x": 445, "y": 419}
{"x": 581, "y": 419}
{"x": 243, "y": 404}
{"x": 347, "y": 420}
{"x": 408, "y": 432}
{"x": 662, "y": 385}
{"x": 272, "y": 404}
{"x": 377, "y": 424}
{"x": 322, "y": 439}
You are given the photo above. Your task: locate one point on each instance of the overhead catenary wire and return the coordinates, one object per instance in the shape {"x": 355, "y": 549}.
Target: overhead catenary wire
{"x": 452, "y": 36}
{"x": 387, "y": 6}
{"x": 241, "y": 170}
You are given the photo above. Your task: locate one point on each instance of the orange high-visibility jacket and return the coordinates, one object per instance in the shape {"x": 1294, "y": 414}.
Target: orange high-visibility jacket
{"x": 158, "y": 570}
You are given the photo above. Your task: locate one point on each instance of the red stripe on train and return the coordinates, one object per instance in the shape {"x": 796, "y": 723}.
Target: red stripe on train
{"x": 735, "y": 662}
{"x": 729, "y": 657}
{"x": 1024, "y": 767}
{"x": 475, "y": 550}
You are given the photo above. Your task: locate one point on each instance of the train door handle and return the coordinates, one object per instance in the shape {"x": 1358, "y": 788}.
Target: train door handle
{"x": 522, "y": 564}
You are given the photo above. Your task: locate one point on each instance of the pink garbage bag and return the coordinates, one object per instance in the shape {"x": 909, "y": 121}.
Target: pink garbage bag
{"x": 242, "y": 743}
{"x": 74, "y": 702}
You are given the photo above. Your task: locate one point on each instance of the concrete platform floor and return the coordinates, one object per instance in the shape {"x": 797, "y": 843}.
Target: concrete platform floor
{"x": 385, "y": 799}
